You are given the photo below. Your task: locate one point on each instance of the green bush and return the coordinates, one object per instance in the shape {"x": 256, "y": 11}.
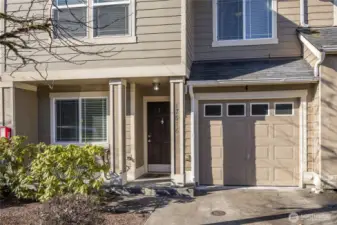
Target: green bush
{"x": 71, "y": 209}
{"x": 15, "y": 163}
{"x": 43, "y": 171}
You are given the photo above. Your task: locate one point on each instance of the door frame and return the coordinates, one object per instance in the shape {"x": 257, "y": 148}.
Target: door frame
{"x": 147, "y": 99}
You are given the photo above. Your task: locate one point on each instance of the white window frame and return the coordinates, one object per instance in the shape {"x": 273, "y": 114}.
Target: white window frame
{"x": 106, "y": 39}
{"x": 86, "y": 6}
{"x": 280, "y": 103}
{"x": 213, "y": 104}
{"x": 230, "y": 104}
{"x": 79, "y": 98}
{"x": 259, "y": 103}
{"x": 244, "y": 42}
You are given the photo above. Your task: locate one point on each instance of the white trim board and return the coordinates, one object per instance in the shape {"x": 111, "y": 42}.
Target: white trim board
{"x": 302, "y": 94}
{"x": 147, "y": 99}
{"x": 175, "y": 70}
{"x": 137, "y": 173}
{"x": 159, "y": 168}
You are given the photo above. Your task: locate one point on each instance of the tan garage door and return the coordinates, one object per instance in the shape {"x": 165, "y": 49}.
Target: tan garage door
{"x": 249, "y": 142}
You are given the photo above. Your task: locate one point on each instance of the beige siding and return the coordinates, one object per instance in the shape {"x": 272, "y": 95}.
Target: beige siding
{"x": 320, "y": 13}
{"x": 313, "y": 128}
{"x": 309, "y": 57}
{"x": 329, "y": 121}
{"x": 288, "y": 20}
{"x": 26, "y": 116}
{"x": 158, "y": 31}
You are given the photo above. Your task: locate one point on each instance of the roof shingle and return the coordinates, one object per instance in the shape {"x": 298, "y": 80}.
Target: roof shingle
{"x": 320, "y": 37}
{"x": 252, "y": 69}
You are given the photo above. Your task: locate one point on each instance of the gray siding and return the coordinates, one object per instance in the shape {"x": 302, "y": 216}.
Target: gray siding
{"x": 288, "y": 19}
{"x": 26, "y": 117}
{"x": 189, "y": 33}
{"x": 158, "y": 31}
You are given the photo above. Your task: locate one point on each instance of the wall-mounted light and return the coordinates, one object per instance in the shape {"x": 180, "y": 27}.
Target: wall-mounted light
{"x": 155, "y": 85}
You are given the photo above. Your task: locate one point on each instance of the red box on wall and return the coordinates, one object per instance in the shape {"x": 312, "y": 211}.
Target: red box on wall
{"x": 5, "y": 132}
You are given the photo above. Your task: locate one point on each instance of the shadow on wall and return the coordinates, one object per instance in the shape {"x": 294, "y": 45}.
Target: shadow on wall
{"x": 230, "y": 148}
{"x": 329, "y": 122}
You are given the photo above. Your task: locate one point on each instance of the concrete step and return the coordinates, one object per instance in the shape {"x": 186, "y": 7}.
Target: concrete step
{"x": 157, "y": 191}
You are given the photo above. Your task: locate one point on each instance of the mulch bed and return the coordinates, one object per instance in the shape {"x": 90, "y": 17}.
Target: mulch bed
{"x": 26, "y": 213}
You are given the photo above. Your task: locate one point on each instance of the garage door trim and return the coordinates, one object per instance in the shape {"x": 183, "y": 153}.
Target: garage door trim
{"x": 302, "y": 94}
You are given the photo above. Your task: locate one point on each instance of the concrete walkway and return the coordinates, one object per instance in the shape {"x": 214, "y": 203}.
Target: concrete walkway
{"x": 250, "y": 206}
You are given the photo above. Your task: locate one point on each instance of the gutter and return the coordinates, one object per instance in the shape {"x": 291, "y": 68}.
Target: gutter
{"x": 318, "y": 63}
{"x": 193, "y": 153}
{"x": 212, "y": 83}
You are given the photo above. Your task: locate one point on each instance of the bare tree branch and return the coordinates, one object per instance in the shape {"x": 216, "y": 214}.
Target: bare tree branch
{"x": 37, "y": 31}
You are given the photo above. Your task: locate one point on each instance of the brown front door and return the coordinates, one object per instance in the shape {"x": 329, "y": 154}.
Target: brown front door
{"x": 158, "y": 136}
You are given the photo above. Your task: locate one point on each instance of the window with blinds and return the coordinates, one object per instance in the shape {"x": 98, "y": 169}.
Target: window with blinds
{"x": 82, "y": 120}
{"x": 76, "y": 18}
{"x": 244, "y": 19}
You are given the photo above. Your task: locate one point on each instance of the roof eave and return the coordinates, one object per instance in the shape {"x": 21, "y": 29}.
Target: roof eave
{"x": 213, "y": 83}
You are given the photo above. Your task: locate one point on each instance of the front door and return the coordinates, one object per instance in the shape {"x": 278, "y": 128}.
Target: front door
{"x": 158, "y": 136}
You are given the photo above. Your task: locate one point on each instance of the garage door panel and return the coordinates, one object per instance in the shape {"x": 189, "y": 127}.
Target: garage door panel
{"x": 262, "y": 152}
{"x": 261, "y": 130}
{"x": 250, "y": 150}
{"x": 285, "y": 152}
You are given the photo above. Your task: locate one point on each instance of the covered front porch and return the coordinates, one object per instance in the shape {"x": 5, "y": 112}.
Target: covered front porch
{"x": 148, "y": 145}
{"x": 139, "y": 121}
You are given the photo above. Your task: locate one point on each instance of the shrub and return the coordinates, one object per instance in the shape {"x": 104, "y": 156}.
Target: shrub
{"x": 60, "y": 170}
{"x": 43, "y": 171}
{"x": 15, "y": 162}
{"x": 71, "y": 209}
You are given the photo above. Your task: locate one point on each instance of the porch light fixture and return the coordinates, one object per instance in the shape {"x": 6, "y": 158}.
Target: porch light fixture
{"x": 155, "y": 85}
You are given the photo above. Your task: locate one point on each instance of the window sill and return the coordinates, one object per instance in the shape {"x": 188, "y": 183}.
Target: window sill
{"x": 104, "y": 40}
{"x": 113, "y": 40}
{"x": 244, "y": 42}
{"x": 104, "y": 145}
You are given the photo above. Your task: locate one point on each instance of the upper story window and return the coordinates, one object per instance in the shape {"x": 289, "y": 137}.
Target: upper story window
{"x": 93, "y": 18}
{"x": 244, "y": 22}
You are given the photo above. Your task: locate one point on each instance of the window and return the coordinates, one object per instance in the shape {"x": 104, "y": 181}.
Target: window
{"x": 213, "y": 110}
{"x": 93, "y": 18}
{"x": 80, "y": 120}
{"x": 244, "y": 22}
{"x": 111, "y": 17}
{"x": 70, "y": 17}
{"x": 259, "y": 109}
{"x": 284, "y": 109}
{"x": 236, "y": 110}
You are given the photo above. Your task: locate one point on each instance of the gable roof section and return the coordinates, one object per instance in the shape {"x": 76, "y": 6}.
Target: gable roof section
{"x": 321, "y": 38}
{"x": 279, "y": 69}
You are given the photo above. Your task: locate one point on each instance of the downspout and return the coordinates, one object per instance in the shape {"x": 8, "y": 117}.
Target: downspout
{"x": 193, "y": 161}
{"x": 302, "y": 13}
{"x": 318, "y": 63}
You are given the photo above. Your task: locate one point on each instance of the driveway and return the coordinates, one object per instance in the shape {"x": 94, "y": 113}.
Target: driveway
{"x": 250, "y": 206}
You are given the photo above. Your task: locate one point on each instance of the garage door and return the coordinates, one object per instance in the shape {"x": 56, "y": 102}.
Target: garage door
{"x": 249, "y": 142}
